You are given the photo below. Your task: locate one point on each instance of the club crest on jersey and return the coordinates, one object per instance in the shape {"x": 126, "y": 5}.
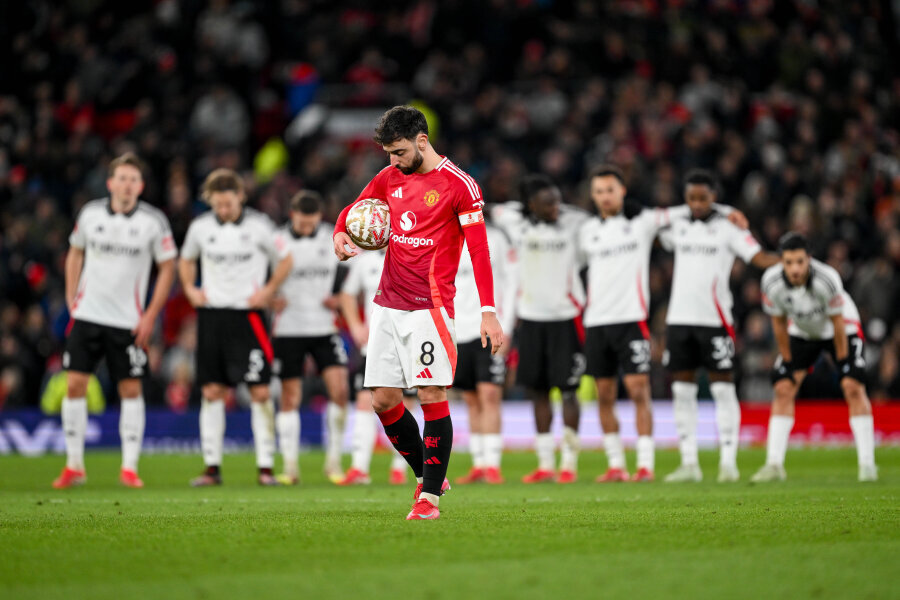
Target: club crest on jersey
{"x": 431, "y": 198}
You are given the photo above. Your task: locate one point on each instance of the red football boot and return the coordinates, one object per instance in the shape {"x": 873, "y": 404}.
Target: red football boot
{"x": 613, "y": 475}
{"x": 69, "y": 478}
{"x": 130, "y": 479}
{"x": 643, "y": 474}
{"x": 423, "y": 510}
{"x": 492, "y": 475}
{"x": 445, "y": 487}
{"x": 539, "y": 476}
{"x": 475, "y": 475}
{"x": 397, "y": 477}
{"x": 567, "y": 477}
{"x": 355, "y": 477}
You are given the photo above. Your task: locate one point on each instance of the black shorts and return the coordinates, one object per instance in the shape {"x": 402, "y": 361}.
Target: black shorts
{"x": 626, "y": 345}
{"x": 232, "y": 347}
{"x": 805, "y": 354}
{"x": 475, "y": 365}
{"x": 549, "y": 355}
{"x": 290, "y": 354}
{"x": 88, "y": 343}
{"x": 689, "y": 347}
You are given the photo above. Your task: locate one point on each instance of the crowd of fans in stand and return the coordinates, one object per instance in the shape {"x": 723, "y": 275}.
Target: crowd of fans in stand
{"x": 796, "y": 105}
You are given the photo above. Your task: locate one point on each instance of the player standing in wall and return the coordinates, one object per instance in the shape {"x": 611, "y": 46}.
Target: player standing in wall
{"x": 114, "y": 244}
{"x": 362, "y": 279}
{"x": 616, "y": 245}
{"x": 304, "y": 325}
{"x": 235, "y": 246}
{"x": 550, "y": 297}
{"x": 812, "y": 314}
{"x": 700, "y": 326}
{"x": 435, "y": 207}
{"x": 479, "y": 374}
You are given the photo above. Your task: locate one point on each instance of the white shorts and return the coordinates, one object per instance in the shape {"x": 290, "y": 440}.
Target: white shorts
{"x": 410, "y": 348}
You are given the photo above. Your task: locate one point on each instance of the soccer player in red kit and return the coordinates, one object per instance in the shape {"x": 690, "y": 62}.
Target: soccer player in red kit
{"x": 435, "y": 207}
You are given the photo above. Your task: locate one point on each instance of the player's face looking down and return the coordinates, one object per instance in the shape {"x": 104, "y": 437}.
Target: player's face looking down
{"x": 226, "y": 205}
{"x": 125, "y": 185}
{"x": 544, "y": 204}
{"x": 699, "y": 198}
{"x": 406, "y": 155}
{"x": 304, "y": 224}
{"x": 608, "y": 195}
{"x": 796, "y": 266}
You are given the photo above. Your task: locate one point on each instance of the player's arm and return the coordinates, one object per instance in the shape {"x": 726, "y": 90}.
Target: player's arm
{"x": 764, "y": 259}
{"x": 187, "y": 273}
{"x": 349, "y": 307}
{"x": 164, "y": 279}
{"x": 262, "y": 298}
{"x": 344, "y": 247}
{"x": 74, "y": 265}
{"x": 475, "y": 232}
{"x": 785, "y": 368}
{"x": 841, "y": 345}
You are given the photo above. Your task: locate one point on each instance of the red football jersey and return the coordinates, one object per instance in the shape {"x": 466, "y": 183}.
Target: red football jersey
{"x": 432, "y": 214}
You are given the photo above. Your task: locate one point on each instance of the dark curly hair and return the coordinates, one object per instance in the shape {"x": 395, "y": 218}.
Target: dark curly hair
{"x": 400, "y": 123}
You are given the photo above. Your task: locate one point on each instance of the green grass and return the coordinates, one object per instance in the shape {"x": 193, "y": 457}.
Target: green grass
{"x": 819, "y": 535}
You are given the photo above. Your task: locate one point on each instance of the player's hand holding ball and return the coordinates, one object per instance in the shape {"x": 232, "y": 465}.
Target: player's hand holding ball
{"x": 368, "y": 227}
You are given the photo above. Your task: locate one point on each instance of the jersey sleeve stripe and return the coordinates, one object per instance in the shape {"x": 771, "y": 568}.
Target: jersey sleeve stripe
{"x": 470, "y": 183}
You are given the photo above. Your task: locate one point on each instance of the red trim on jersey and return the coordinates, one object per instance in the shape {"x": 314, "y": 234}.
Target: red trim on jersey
{"x": 259, "y": 330}
{"x": 391, "y": 415}
{"x": 728, "y": 327}
{"x": 444, "y": 333}
{"x": 436, "y": 410}
{"x": 69, "y": 326}
{"x": 432, "y": 282}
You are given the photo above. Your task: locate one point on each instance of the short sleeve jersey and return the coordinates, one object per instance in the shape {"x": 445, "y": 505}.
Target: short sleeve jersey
{"x": 119, "y": 252}
{"x": 705, "y": 250}
{"x": 234, "y": 256}
{"x": 809, "y": 308}
{"x": 309, "y": 285}
{"x": 428, "y": 214}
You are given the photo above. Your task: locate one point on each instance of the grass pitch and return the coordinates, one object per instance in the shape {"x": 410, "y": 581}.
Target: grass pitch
{"x": 819, "y": 535}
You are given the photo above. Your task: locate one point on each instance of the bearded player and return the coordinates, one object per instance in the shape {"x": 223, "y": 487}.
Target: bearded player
{"x": 435, "y": 207}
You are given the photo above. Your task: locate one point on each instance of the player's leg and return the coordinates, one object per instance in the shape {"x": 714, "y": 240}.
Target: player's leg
{"x": 476, "y": 437}
{"x": 638, "y": 387}
{"x": 437, "y": 436}
{"x": 717, "y": 355}
{"x": 532, "y": 375}
{"x": 490, "y": 397}
{"x": 566, "y": 368}
{"x": 335, "y": 378}
{"x": 399, "y": 468}
{"x": 682, "y": 359}
{"x": 607, "y": 388}
{"x": 401, "y": 427}
{"x": 262, "y": 422}
{"x": 288, "y": 426}
{"x": 212, "y": 432}
{"x": 781, "y": 421}
{"x": 363, "y": 435}
{"x": 132, "y": 419}
{"x": 84, "y": 348}
{"x": 861, "y": 422}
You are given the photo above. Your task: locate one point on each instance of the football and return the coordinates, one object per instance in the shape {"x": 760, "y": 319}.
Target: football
{"x": 369, "y": 224}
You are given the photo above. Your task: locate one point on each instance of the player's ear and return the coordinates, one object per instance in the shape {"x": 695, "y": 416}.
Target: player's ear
{"x": 422, "y": 141}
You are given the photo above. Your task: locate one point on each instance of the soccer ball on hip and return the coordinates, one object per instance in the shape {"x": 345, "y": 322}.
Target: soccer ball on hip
{"x": 369, "y": 224}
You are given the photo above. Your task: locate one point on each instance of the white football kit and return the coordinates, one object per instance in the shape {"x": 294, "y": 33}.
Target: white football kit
{"x": 119, "y": 252}
{"x": 467, "y": 302}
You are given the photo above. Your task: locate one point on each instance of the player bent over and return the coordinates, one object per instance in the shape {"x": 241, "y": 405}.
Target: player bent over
{"x": 363, "y": 277}
{"x": 479, "y": 374}
{"x": 811, "y": 314}
{"x": 434, "y": 207}
{"x": 113, "y": 246}
{"x": 235, "y": 246}
{"x": 304, "y": 325}
{"x": 700, "y": 326}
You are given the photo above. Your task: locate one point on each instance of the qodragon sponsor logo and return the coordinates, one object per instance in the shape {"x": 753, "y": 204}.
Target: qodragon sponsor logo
{"x": 412, "y": 241}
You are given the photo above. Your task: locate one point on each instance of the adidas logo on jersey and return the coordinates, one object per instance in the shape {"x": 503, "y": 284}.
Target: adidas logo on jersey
{"x": 398, "y": 193}
{"x": 425, "y": 374}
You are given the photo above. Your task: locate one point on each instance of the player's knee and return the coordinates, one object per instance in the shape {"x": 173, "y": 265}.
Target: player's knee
{"x": 259, "y": 393}
{"x": 854, "y": 391}
{"x": 129, "y": 388}
{"x": 430, "y": 394}
{"x": 784, "y": 390}
{"x": 213, "y": 391}
{"x": 76, "y": 384}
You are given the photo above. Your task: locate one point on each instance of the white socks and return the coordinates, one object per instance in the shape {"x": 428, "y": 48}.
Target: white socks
{"x": 476, "y": 447}
{"x": 74, "y": 422}
{"x": 398, "y": 463}
{"x": 684, "y": 404}
{"x": 131, "y": 430}
{"x": 646, "y": 458}
{"x": 546, "y": 451}
{"x": 492, "y": 449}
{"x": 364, "y": 433}
{"x": 335, "y": 416}
{"x": 288, "y": 426}
{"x": 262, "y": 422}
{"x": 569, "y": 447}
{"x": 212, "y": 431}
{"x": 728, "y": 421}
{"x": 615, "y": 452}
{"x": 863, "y": 428}
{"x": 777, "y": 441}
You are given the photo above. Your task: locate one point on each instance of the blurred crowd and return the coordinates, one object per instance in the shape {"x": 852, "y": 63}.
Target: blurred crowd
{"x": 795, "y": 104}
